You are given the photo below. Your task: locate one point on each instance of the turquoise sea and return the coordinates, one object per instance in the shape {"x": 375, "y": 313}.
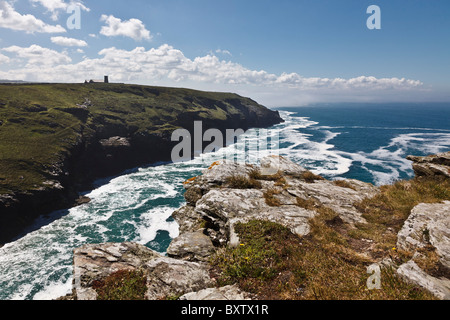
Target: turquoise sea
{"x": 368, "y": 142}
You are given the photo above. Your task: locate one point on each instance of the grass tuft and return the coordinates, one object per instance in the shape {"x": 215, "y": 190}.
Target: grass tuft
{"x": 344, "y": 184}
{"x": 242, "y": 182}
{"x": 122, "y": 285}
{"x": 271, "y": 200}
{"x": 310, "y": 177}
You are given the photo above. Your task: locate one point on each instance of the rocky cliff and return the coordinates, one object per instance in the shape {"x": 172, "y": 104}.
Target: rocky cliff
{"x": 314, "y": 239}
{"x": 56, "y": 139}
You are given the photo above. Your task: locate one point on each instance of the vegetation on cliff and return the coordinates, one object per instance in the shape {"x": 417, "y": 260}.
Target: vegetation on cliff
{"x": 57, "y": 137}
{"x": 40, "y": 123}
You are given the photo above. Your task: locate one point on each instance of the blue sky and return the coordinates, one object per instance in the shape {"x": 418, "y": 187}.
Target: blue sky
{"x": 285, "y": 52}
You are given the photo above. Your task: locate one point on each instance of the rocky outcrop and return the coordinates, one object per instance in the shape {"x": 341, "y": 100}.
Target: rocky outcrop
{"x": 440, "y": 287}
{"x": 166, "y": 277}
{"x": 432, "y": 166}
{"x": 215, "y": 202}
{"x": 428, "y": 226}
{"x": 278, "y": 191}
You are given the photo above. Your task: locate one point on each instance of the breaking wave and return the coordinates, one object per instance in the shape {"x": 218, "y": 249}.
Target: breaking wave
{"x": 137, "y": 206}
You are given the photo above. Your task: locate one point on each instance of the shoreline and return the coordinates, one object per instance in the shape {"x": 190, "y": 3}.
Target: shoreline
{"x": 101, "y": 147}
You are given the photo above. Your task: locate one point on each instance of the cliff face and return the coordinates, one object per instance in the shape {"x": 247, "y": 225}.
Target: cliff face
{"x": 56, "y": 139}
{"x": 328, "y": 231}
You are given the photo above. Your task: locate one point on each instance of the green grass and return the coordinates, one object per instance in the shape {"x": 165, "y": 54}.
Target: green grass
{"x": 258, "y": 259}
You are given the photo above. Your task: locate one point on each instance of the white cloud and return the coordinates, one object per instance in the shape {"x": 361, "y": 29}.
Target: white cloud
{"x": 37, "y": 56}
{"x": 68, "y": 42}
{"x": 55, "y": 6}
{"x": 224, "y": 52}
{"x": 133, "y": 28}
{"x": 4, "y": 59}
{"x": 166, "y": 65}
{"x": 11, "y": 19}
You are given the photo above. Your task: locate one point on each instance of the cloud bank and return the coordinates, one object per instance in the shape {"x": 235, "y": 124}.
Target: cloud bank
{"x": 166, "y": 65}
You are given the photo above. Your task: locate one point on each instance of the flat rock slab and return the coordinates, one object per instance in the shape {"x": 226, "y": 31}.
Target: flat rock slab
{"x": 223, "y": 293}
{"x": 411, "y": 272}
{"x": 428, "y": 224}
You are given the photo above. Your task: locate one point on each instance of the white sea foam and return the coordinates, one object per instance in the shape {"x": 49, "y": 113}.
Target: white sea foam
{"x": 136, "y": 205}
{"x": 54, "y": 289}
{"x": 155, "y": 220}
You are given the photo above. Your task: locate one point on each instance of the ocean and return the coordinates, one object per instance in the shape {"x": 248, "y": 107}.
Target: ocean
{"x": 368, "y": 142}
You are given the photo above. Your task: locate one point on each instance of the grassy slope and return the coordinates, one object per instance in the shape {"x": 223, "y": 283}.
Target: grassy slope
{"x": 39, "y": 123}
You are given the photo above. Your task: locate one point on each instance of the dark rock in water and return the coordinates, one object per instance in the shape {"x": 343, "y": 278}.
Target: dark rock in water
{"x": 82, "y": 200}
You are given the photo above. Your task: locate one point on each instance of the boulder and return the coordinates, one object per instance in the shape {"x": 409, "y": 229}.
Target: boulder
{"x": 273, "y": 164}
{"x": 428, "y": 224}
{"x": 169, "y": 277}
{"x": 188, "y": 220}
{"x": 191, "y": 246}
{"x": 166, "y": 277}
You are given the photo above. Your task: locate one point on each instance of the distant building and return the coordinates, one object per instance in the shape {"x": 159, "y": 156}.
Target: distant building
{"x": 105, "y": 80}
